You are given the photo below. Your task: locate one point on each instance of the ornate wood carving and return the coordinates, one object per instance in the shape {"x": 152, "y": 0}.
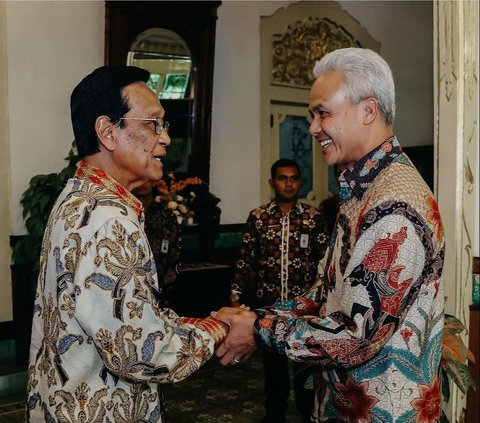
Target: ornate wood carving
{"x": 447, "y": 24}
{"x": 295, "y": 51}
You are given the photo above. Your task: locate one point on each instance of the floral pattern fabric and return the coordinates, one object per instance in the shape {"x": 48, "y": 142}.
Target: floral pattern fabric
{"x": 372, "y": 325}
{"x": 280, "y": 254}
{"x": 101, "y": 344}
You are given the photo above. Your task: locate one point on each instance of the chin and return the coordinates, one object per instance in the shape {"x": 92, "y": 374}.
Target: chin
{"x": 156, "y": 175}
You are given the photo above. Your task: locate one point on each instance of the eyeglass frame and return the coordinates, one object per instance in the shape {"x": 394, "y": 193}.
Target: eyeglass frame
{"x": 159, "y": 123}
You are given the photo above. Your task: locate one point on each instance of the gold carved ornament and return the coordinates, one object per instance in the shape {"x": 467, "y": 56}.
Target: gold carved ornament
{"x": 295, "y": 51}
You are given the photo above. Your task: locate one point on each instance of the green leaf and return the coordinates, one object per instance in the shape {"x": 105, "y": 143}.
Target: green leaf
{"x": 460, "y": 376}
{"x": 37, "y": 202}
{"x": 452, "y": 325}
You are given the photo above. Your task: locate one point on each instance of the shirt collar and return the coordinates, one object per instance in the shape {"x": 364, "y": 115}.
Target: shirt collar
{"x": 296, "y": 207}
{"x": 97, "y": 176}
{"x": 357, "y": 179}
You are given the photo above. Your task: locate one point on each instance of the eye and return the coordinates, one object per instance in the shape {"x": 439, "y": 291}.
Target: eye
{"x": 320, "y": 112}
{"x": 323, "y": 113}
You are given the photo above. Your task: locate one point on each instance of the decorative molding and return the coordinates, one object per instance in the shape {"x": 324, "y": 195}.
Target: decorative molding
{"x": 295, "y": 51}
{"x": 448, "y": 64}
{"x": 457, "y": 148}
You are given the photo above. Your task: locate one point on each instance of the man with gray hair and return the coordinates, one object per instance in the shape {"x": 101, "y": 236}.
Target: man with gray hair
{"x": 372, "y": 325}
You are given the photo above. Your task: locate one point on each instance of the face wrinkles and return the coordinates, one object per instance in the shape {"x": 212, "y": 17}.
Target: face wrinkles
{"x": 140, "y": 149}
{"x": 335, "y": 121}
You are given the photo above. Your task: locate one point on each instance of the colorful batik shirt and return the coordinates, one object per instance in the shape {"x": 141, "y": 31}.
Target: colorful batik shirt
{"x": 280, "y": 254}
{"x": 101, "y": 344}
{"x": 372, "y": 326}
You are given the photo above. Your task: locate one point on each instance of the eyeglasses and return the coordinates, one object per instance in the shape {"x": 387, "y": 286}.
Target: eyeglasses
{"x": 159, "y": 123}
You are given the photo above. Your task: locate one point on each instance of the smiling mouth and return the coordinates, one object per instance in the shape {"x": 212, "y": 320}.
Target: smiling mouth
{"x": 326, "y": 143}
{"x": 158, "y": 158}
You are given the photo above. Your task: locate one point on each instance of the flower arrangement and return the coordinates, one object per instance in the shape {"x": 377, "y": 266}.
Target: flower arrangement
{"x": 178, "y": 198}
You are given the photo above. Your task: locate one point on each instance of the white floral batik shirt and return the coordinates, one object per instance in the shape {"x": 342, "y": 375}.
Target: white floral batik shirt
{"x": 101, "y": 345}
{"x": 372, "y": 327}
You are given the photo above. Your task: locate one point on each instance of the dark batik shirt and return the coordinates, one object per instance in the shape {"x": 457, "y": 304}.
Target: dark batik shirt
{"x": 280, "y": 254}
{"x": 164, "y": 235}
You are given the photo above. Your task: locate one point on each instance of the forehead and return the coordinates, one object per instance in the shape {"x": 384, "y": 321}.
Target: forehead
{"x": 286, "y": 171}
{"x": 327, "y": 87}
{"x": 143, "y": 99}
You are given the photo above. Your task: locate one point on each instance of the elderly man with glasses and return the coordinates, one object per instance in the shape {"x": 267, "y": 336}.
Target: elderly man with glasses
{"x": 101, "y": 344}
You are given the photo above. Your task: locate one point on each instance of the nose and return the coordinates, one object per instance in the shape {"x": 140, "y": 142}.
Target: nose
{"x": 164, "y": 139}
{"x": 315, "y": 126}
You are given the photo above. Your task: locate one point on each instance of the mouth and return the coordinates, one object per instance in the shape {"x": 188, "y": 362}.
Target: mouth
{"x": 158, "y": 158}
{"x": 326, "y": 143}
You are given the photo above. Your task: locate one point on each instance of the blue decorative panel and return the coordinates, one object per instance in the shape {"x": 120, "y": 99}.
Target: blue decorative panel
{"x": 296, "y": 143}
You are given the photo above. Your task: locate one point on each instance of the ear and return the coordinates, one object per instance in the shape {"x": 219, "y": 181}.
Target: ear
{"x": 105, "y": 131}
{"x": 270, "y": 182}
{"x": 370, "y": 110}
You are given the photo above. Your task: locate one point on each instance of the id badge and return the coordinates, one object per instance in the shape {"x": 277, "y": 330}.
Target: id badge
{"x": 164, "y": 246}
{"x": 304, "y": 241}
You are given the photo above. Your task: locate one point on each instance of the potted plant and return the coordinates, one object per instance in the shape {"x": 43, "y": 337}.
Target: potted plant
{"x": 454, "y": 358}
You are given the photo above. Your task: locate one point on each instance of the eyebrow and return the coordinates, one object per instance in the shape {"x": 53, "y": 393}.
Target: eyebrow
{"x": 316, "y": 109}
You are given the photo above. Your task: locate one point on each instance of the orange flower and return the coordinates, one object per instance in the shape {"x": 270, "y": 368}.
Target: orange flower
{"x": 180, "y": 204}
{"x": 433, "y": 216}
{"x": 352, "y": 401}
{"x": 429, "y": 404}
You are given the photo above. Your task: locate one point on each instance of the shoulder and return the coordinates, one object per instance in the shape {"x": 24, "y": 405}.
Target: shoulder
{"x": 84, "y": 208}
{"x": 309, "y": 210}
{"x": 264, "y": 208}
{"x": 400, "y": 182}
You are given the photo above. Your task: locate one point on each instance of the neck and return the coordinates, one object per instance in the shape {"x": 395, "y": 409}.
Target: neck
{"x": 105, "y": 162}
{"x": 285, "y": 206}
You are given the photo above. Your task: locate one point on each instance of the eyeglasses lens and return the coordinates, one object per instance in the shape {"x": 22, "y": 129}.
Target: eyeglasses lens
{"x": 161, "y": 125}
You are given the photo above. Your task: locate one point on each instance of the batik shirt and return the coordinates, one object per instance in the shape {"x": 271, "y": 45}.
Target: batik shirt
{"x": 280, "y": 254}
{"x": 101, "y": 345}
{"x": 164, "y": 236}
{"x": 375, "y": 333}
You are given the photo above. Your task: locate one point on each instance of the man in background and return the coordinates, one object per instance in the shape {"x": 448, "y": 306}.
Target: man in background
{"x": 283, "y": 242}
{"x": 373, "y": 324}
{"x": 164, "y": 236}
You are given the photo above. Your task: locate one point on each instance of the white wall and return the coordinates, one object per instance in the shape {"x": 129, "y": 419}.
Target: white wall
{"x": 50, "y": 47}
{"x": 405, "y": 31}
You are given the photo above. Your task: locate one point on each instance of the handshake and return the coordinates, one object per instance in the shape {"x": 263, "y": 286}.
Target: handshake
{"x": 239, "y": 344}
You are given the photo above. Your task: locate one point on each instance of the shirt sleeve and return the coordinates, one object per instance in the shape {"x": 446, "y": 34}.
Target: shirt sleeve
{"x": 368, "y": 296}
{"x": 243, "y": 278}
{"x": 116, "y": 304}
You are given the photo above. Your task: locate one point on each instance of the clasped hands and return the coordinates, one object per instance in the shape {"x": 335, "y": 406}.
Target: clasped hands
{"x": 239, "y": 344}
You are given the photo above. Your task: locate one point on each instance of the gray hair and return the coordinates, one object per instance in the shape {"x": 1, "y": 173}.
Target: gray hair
{"x": 366, "y": 74}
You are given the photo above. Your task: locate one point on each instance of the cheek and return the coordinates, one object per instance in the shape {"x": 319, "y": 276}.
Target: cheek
{"x": 144, "y": 144}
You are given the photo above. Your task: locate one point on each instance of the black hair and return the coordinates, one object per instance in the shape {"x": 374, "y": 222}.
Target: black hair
{"x": 283, "y": 163}
{"x": 100, "y": 93}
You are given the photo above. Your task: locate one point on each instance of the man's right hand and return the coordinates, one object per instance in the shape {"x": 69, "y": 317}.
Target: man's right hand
{"x": 240, "y": 343}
